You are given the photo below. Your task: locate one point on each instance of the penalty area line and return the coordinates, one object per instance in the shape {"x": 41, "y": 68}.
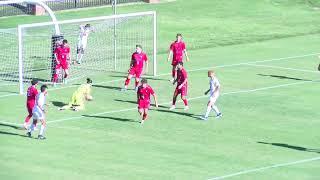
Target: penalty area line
{"x": 190, "y": 99}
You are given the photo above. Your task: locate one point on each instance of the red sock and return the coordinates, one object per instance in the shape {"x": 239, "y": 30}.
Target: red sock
{"x": 144, "y": 117}
{"x": 173, "y": 73}
{"x": 126, "y": 83}
{"x": 137, "y": 83}
{"x": 27, "y": 119}
{"x": 55, "y": 78}
{"x": 185, "y": 101}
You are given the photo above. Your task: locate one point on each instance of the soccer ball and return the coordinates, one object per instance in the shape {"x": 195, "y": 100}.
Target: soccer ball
{"x": 89, "y": 98}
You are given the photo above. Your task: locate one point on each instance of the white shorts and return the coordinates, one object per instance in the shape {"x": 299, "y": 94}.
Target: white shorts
{"x": 214, "y": 97}
{"x": 37, "y": 113}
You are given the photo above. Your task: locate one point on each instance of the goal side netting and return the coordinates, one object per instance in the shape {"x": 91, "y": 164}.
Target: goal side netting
{"x": 109, "y": 46}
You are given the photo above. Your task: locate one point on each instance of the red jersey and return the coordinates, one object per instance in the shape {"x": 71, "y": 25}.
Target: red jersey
{"x": 181, "y": 76}
{"x": 31, "y": 94}
{"x": 144, "y": 93}
{"x": 177, "y": 48}
{"x": 139, "y": 59}
{"x": 62, "y": 53}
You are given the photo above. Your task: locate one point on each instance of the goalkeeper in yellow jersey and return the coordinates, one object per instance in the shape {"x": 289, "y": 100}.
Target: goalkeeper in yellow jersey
{"x": 78, "y": 98}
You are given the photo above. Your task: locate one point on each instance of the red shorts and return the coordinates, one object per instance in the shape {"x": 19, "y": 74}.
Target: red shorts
{"x": 64, "y": 66}
{"x": 30, "y": 107}
{"x": 183, "y": 91}
{"x": 175, "y": 62}
{"x": 143, "y": 104}
{"x": 135, "y": 72}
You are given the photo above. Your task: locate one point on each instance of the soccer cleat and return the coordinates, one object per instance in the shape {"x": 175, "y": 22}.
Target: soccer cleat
{"x": 219, "y": 115}
{"x": 141, "y": 122}
{"x": 172, "y": 107}
{"x": 204, "y": 118}
{"x": 29, "y": 134}
{"x": 186, "y": 108}
{"x": 41, "y": 137}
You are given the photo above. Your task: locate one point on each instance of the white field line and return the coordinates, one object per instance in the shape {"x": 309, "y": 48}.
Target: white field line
{"x": 266, "y": 168}
{"x": 192, "y": 70}
{"x": 284, "y": 68}
{"x": 190, "y": 99}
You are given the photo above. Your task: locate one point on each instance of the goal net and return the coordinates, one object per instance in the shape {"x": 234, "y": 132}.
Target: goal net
{"x": 109, "y": 46}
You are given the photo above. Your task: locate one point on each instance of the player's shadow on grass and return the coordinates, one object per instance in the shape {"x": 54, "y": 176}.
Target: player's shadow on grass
{"x": 298, "y": 148}
{"x": 12, "y": 126}
{"x": 107, "y": 87}
{"x": 180, "y": 113}
{"x": 58, "y": 103}
{"x": 283, "y": 77}
{"x": 12, "y": 134}
{"x": 111, "y": 118}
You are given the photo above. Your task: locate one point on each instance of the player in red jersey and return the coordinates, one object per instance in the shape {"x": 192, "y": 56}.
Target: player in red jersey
{"x": 138, "y": 59}
{"x": 143, "y": 95}
{"x": 31, "y": 98}
{"x": 62, "y": 56}
{"x": 177, "y": 49}
{"x": 182, "y": 86}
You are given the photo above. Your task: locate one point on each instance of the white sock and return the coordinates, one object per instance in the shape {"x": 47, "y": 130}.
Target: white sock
{"x": 208, "y": 112}
{"x": 80, "y": 59}
{"x": 215, "y": 108}
{"x": 31, "y": 128}
{"x": 42, "y": 128}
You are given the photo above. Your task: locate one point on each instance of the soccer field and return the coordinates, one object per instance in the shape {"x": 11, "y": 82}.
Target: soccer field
{"x": 265, "y": 55}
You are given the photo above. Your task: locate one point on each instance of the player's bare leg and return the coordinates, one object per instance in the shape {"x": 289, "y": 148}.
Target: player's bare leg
{"x": 185, "y": 102}
{"x": 141, "y": 112}
{"x": 42, "y": 129}
{"x": 137, "y": 82}
{"x": 80, "y": 55}
{"x": 55, "y": 77}
{"x": 173, "y": 73}
{"x": 66, "y": 75}
{"x": 174, "y": 100}
{"x": 26, "y": 121}
{"x": 211, "y": 105}
{"x": 126, "y": 83}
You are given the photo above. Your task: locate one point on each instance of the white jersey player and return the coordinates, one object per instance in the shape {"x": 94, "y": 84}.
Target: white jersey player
{"x": 85, "y": 30}
{"x": 214, "y": 94}
{"x": 38, "y": 113}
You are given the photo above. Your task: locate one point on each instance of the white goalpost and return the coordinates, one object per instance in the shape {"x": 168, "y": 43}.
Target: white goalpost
{"x": 109, "y": 45}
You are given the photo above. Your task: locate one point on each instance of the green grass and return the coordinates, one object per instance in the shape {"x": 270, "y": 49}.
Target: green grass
{"x": 98, "y": 143}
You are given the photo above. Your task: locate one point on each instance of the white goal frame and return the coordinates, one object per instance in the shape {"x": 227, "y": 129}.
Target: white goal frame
{"x": 115, "y": 17}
